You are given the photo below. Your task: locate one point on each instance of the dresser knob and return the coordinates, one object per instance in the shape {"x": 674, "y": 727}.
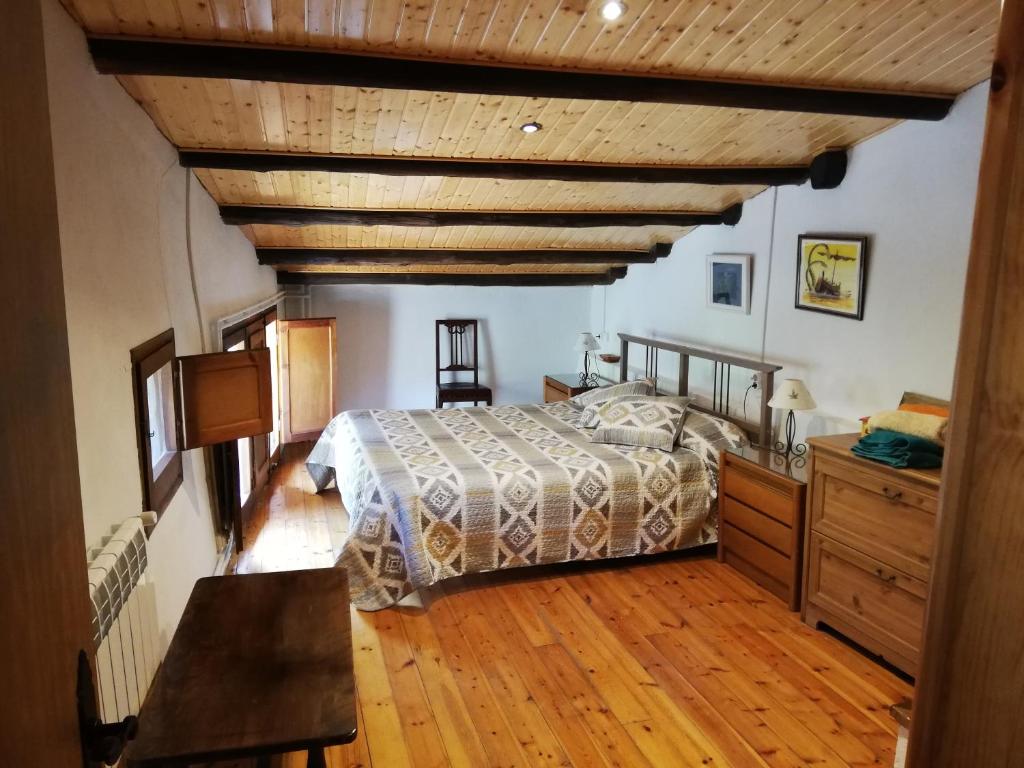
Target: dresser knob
{"x": 892, "y": 495}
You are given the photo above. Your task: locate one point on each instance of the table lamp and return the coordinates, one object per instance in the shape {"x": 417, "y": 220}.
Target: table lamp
{"x": 586, "y": 343}
{"x": 792, "y": 395}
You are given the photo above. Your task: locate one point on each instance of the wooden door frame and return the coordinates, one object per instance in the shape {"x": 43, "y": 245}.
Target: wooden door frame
{"x": 971, "y": 683}
{"x": 44, "y": 604}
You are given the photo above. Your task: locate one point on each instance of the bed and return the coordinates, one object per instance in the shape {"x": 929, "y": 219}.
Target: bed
{"x": 434, "y": 494}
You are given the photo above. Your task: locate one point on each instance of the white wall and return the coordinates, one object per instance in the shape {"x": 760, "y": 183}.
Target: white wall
{"x": 386, "y": 338}
{"x": 121, "y": 202}
{"x": 911, "y": 190}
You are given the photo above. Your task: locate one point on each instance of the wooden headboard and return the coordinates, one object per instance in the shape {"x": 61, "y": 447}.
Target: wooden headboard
{"x": 759, "y": 431}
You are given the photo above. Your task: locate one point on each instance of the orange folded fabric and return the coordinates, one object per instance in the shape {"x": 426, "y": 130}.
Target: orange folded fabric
{"x": 931, "y": 410}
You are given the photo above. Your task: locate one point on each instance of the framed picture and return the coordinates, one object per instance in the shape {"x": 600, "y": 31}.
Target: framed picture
{"x": 830, "y": 274}
{"x": 729, "y": 281}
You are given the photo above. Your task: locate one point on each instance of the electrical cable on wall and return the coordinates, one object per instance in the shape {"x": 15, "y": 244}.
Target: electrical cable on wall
{"x": 768, "y": 279}
{"x": 191, "y": 261}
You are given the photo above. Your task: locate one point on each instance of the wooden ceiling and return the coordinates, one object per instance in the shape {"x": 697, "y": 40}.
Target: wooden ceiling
{"x": 846, "y": 49}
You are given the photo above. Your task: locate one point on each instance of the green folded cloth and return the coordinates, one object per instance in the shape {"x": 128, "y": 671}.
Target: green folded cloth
{"x": 899, "y": 450}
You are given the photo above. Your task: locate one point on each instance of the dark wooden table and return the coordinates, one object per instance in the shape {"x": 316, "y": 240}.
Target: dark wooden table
{"x": 259, "y": 665}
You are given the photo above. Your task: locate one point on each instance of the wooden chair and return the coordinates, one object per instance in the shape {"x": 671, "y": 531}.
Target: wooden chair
{"x": 458, "y": 349}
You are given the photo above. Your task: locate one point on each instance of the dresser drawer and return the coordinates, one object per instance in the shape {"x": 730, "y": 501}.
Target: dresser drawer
{"x": 882, "y": 517}
{"x": 766, "y": 529}
{"x": 770, "y": 498}
{"x": 881, "y": 602}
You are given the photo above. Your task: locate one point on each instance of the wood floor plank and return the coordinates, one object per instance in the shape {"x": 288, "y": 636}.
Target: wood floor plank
{"x": 493, "y": 727}
{"x": 419, "y": 725}
{"x": 447, "y": 707}
{"x": 381, "y": 716}
{"x": 669, "y": 661}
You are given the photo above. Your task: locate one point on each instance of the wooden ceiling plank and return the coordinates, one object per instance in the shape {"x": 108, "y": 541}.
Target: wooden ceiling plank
{"x": 854, "y": 39}
{"x": 197, "y": 20}
{"x": 971, "y": 44}
{"x": 441, "y": 278}
{"x": 751, "y": 27}
{"x": 961, "y": 62}
{"x": 408, "y": 256}
{"x": 535, "y": 22}
{"x": 299, "y": 217}
{"x": 466, "y": 237}
{"x": 364, "y": 130}
{"x": 685, "y": 47}
{"x": 791, "y": 36}
{"x": 689, "y": 131}
{"x": 114, "y": 55}
{"x": 385, "y": 165}
{"x": 95, "y": 15}
{"x": 272, "y": 110}
{"x": 932, "y": 18}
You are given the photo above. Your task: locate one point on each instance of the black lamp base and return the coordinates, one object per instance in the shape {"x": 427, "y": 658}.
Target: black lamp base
{"x": 790, "y": 448}
{"x": 587, "y": 378}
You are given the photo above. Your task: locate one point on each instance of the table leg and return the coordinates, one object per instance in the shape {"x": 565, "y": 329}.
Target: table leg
{"x": 315, "y": 758}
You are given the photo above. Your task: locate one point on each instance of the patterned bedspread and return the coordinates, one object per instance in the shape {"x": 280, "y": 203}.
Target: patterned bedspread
{"x": 436, "y": 494}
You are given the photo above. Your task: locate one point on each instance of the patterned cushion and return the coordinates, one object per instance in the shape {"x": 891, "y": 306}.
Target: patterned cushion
{"x": 604, "y": 394}
{"x": 589, "y": 418}
{"x": 648, "y": 423}
{"x": 707, "y": 435}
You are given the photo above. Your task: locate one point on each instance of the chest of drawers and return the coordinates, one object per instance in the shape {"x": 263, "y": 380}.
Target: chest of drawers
{"x": 870, "y": 531}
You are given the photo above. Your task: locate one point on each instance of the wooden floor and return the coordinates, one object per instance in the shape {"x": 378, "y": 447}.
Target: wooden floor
{"x": 676, "y": 661}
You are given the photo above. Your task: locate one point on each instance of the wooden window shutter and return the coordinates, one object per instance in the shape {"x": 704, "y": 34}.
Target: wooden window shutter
{"x": 225, "y": 396}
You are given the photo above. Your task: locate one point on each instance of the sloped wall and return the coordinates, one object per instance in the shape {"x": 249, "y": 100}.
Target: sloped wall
{"x": 121, "y": 203}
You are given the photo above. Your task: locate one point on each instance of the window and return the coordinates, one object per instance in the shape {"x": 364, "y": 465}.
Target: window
{"x": 244, "y": 451}
{"x": 275, "y": 435}
{"x": 157, "y": 420}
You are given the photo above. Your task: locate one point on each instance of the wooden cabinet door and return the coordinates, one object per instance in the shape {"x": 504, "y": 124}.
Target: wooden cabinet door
{"x": 225, "y": 396}
{"x": 308, "y": 350}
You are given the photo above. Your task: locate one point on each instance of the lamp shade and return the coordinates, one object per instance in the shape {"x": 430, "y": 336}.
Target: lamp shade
{"x": 792, "y": 395}
{"x": 586, "y": 342}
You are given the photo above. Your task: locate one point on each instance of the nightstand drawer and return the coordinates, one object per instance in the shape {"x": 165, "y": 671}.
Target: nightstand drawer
{"x": 761, "y": 556}
{"x": 763, "y": 528}
{"x": 768, "y": 498}
{"x": 553, "y": 394}
{"x": 883, "y": 602}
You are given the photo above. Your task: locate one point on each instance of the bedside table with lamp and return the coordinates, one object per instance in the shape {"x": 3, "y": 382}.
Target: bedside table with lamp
{"x": 762, "y": 493}
{"x": 562, "y": 386}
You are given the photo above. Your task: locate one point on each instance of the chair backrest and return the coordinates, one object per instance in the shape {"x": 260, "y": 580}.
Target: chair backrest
{"x": 460, "y": 357}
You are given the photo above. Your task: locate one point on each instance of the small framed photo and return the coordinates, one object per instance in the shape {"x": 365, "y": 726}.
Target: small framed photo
{"x": 830, "y": 274}
{"x": 729, "y": 281}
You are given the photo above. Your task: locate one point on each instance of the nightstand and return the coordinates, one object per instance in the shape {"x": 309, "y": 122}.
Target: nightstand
{"x": 562, "y": 386}
{"x": 761, "y": 519}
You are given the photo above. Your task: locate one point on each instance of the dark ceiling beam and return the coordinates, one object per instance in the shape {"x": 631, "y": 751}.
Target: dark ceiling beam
{"x": 360, "y": 217}
{"x": 822, "y": 171}
{"x": 452, "y": 278}
{"x": 402, "y": 257}
{"x": 151, "y": 56}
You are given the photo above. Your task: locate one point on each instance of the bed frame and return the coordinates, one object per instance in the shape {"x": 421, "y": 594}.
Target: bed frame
{"x": 760, "y": 431}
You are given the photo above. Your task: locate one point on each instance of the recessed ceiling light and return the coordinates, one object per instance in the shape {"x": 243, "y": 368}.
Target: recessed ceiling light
{"x": 613, "y": 10}
{"x": 531, "y": 127}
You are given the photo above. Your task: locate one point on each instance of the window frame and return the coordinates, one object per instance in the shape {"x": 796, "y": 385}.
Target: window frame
{"x": 148, "y": 358}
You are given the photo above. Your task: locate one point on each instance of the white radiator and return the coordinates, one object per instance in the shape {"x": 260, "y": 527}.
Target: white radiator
{"x": 124, "y": 621}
